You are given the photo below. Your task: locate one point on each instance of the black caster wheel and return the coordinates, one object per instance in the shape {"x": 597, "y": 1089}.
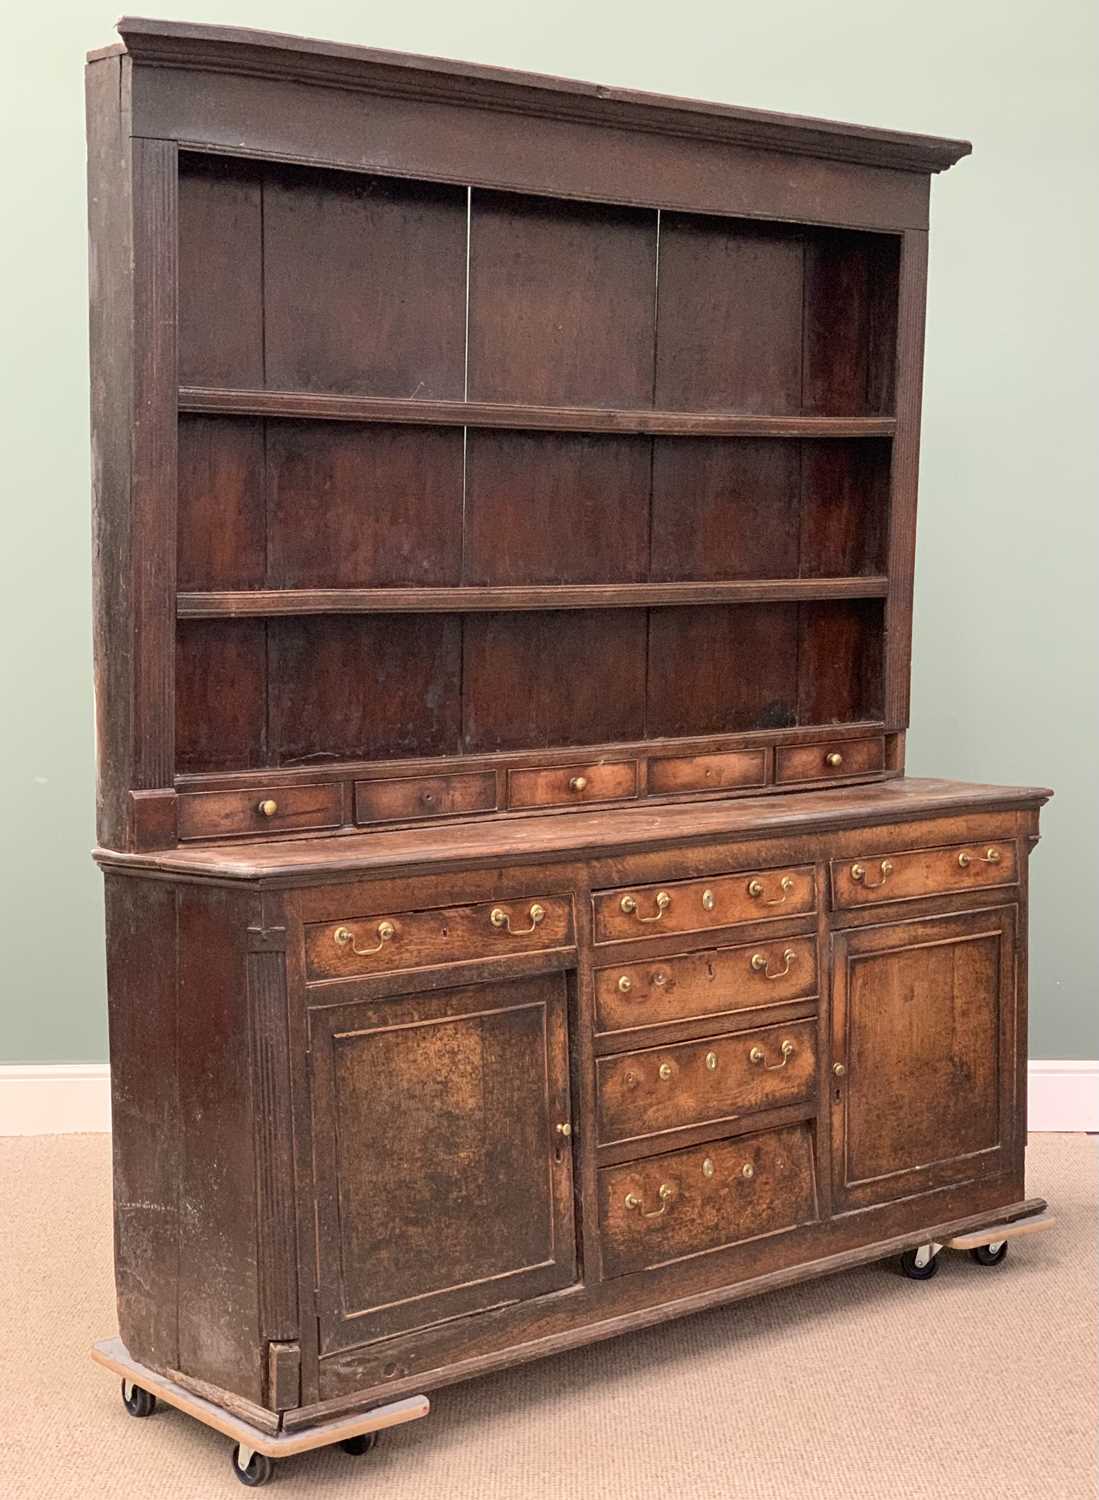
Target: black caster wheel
{"x": 138, "y": 1402}
{"x": 258, "y": 1471}
{"x": 984, "y": 1255}
{"x": 359, "y": 1444}
{"x": 915, "y": 1272}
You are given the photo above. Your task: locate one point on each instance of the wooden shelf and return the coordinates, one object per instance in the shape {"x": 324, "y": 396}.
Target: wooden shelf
{"x": 533, "y": 418}
{"x": 252, "y": 602}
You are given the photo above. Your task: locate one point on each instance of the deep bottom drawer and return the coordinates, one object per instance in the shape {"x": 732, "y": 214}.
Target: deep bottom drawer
{"x": 689, "y": 1202}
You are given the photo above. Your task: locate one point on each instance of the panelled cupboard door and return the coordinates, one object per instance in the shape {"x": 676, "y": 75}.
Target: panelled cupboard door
{"x": 443, "y": 1186}
{"x": 923, "y": 1019}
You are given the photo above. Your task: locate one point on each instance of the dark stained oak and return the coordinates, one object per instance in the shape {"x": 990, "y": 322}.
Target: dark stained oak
{"x": 520, "y": 928}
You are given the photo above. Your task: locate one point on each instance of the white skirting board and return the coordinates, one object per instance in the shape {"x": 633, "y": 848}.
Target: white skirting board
{"x": 63, "y": 1098}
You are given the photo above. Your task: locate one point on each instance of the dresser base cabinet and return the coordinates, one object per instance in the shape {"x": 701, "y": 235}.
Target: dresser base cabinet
{"x": 388, "y": 1116}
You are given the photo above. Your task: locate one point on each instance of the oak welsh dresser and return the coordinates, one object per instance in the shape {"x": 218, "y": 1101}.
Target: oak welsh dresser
{"x": 520, "y": 927}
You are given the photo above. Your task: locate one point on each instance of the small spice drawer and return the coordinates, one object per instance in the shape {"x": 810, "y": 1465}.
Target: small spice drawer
{"x": 408, "y": 797}
{"x": 696, "y": 905}
{"x": 704, "y": 1082}
{"x": 561, "y": 786}
{"x": 911, "y": 873}
{"x": 290, "y": 809}
{"x": 415, "y": 939}
{"x": 706, "y": 773}
{"x": 818, "y": 762}
{"x": 715, "y": 982}
{"x": 704, "y": 1198}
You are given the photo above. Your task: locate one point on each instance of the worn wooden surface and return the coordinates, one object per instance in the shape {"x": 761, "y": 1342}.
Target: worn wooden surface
{"x": 466, "y": 603}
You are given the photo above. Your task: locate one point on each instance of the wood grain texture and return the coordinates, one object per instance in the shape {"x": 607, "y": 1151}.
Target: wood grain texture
{"x": 220, "y": 271}
{"x": 561, "y": 300}
{"x": 729, "y": 329}
{"x": 222, "y": 511}
{"x": 696, "y": 906}
{"x": 716, "y": 1079}
{"x": 828, "y": 760}
{"x": 234, "y": 604}
{"x": 445, "y": 935}
{"x": 712, "y": 982}
{"x": 492, "y": 414}
{"x": 358, "y": 507}
{"x": 364, "y": 284}
{"x": 470, "y": 1204}
{"x": 704, "y": 1212}
{"x": 923, "y": 872}
{"x": 570, "y": 786}
{"x": 719, "y": 668}
{"x": 406, "y": 797}
{"x": 707, "y": 773}
{"x": 221, "y": 694}
{"x": 537, "y": 679}
{"x": 923, "y": 1020}
{"x": 556, "y": 510}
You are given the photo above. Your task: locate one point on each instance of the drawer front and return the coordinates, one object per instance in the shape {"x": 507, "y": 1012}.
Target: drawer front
{"x": 696, "y": 905}
{"x": 707, "y": 773}
{"x": 561, "y": 786}
{"x": 711, "y": 983}
{"x": 819, "y": 762}
{"x": 923, "y": 872}
{"x": 697, "y": 1083}
{"x": 211, "y": 815}
{"x": 408, "y": 797}
{"x": 688, "y": 1202}
{"x": 413, "y": 939}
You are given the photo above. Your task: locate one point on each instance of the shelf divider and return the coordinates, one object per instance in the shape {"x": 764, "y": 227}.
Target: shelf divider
{"x": 240, "y": 604}
{"x": 338, "y": 408}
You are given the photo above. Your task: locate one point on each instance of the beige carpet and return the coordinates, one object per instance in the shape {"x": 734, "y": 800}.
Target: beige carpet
{"x": 864, "y": 1386}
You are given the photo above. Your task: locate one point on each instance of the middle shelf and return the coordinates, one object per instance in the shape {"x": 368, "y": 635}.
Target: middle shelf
{"x": 242, "y": 603}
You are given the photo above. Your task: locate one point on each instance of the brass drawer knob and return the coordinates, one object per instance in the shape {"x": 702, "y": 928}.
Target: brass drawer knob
{"x": 757, "y": 1055}
{"x": 708, "y": 1168}
{"x": 578, "y": 783}
{"x": 785, "y": 885}
{"x": 839, "y": 1070}
{"x": 708, "y": 901}
{"x": 858, "y": 872}
{"x": 759, "y": 964}
{"x": 564, "y": 1129}
{"x": 747, "y": 1170}
{"x": 992, "y": 857}
{"x": 665, "y": 1071}
{"x": 267, "y": 808}
{"x": 629, "y": 905}
{"x": 834, "y": 759}
{"x": 345, "y": 938}
{"x": 625, "y": 984}
{"x": 666, "y": 1192}
{"x": 711, "y": 1061}
{"x": 500, "y": 918}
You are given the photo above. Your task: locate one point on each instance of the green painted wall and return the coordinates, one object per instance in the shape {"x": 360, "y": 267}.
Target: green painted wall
{"x": 1004, "y": 671}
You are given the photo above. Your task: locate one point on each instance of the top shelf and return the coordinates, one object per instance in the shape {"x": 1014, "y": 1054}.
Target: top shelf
{"x": 340, "y": 408}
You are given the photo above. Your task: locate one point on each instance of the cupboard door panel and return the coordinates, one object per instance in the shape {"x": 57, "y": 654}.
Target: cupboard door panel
{"x": 924, "y": 1024}
{"x": 442, "y": 1184}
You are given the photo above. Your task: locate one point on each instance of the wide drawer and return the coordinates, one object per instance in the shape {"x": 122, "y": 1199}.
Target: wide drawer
{"x": 704, "y": 1082}
{"x": 290, "y": 809}
{"x": 407, "y": 797}
{"x": 669, "y": 774}
{"x": 828, "y": 759}
{"x": 711, "y": 983}
{"x": 562, "y": 786}
{"x": 413, "y": 939}
{"x": 688, "y": 1202}
{"x": 907, "y": 874}
{"x": 696, "y": 905}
